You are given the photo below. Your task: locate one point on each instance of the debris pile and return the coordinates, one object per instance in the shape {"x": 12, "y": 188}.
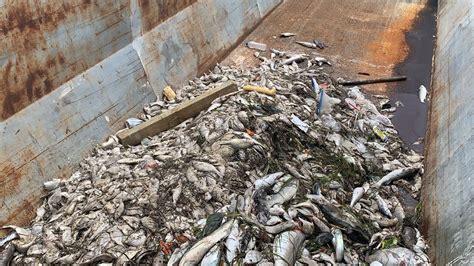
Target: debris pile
{"x": 293, "y": 169}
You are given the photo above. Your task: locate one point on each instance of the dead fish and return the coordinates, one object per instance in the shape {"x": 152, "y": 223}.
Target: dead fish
{"x": 253, "y": 257}
{"x": 287, "y": 34}
{"x": 422, "y": 92}
{"x": 198, "y": 250}
{"x": 191, "y": 175}
{"x": 267, "y": 181}
{"x": 387, "y": 223}
{"x": 51, "y": 185}
{"x": 323, "y": 257}
{"x": 287, "y": 247}
{"x": 341, "y": 217}
{"x": 206, "y": 167}
{"x": 358, "y": 193}
{"x": 232, "y": 243}
{"x": 177, "y": 193}
{"x": 321, "y": 61}
{"x": 308, "y": 44}
{"x": 274, "y": 220}
{"x": 307, "y": 227}
{"x": 395, "y": 175}
{"x": 239, "y": 143}
{"x": 213, "y": 257}
{"x": 278, "y": 52}
{"x": 6, "y": 254}
{"x": 136, "y": 239}
{"x": 295, "y": 172}
{"x": 395, "y": 256}
{"x": 177, "y": 255}
{"x": 284, "y": 195}
{"x": 383, "y": 207}
{"x": 294, "y": 58}
{"x": 11, "y": 236}
{"x": 278, "y": 228}
{"x": 204, "y": 131}
{"x": 320, "y": 224}
{"x": 338, "y": 243}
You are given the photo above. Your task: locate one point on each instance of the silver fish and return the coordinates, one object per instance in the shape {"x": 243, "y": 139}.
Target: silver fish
{"x": 239, "y": 143}
{"x": 395, "y": 175}
{"x": 253, "y": 257}
{"x": 287, "y": 34}
{"x": 294, "y": 58}
{"x": 357, "y": 195}
{"x": 268, "y": 180}
{"x": 308, "y": 44}
{"x": 394, "y": 256}
{"x": 338, "y": 243}
{"x": 284, "y": 195}
{"x": 213, "y": 257}
{"x": 232, "y": 243}
{"x": 206, "y": 167}
{"x": 198, "y": 250}
{"x": 278, "y": 228}
{"x": 383, "y": 206}
{"x": 287, "y": 247}
{"x": 177, "y": 193}
{"x": 422, "y": 92}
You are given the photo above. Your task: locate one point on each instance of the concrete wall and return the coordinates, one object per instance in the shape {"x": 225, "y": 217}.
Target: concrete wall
{"x": 448, "y": 193}
{"x": 72, "y": 71}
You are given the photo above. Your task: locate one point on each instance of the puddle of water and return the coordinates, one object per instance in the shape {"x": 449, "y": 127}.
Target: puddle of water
{"x": 411, "y": 120}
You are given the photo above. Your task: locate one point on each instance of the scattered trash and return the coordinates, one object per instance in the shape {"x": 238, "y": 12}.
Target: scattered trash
{"x": 379, "y": 133}
{"x": 169, "y": 93}
{"x": 399, "y": 103}
{"x": 371, "y": 81}
{"x": 422, "y": 92}
{"x": 287, "y": 34}
{"x": 257, "y": 46}
{"x": 239, "y": 183}
{"x": 258, "y": 89}
{"x": 133, "y": 122}
{"x": 300, "y": 124}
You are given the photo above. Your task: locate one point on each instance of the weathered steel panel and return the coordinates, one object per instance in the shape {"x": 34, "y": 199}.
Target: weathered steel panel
{"x": 190, "y": 42}
{"x": 147, "y": 14}
{"x": 448, "y": 192}
{"x": 45, "y": 43}
{"x": 48, "y": 138}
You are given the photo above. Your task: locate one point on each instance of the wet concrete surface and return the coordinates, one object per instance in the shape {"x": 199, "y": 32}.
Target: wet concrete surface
{"x": 366, "y": 39}
{"x": 411, "y": 119}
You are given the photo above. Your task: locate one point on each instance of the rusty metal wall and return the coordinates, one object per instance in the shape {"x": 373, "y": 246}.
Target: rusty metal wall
{"x": 448, "y": 191}
{"x": 72, "y": 71}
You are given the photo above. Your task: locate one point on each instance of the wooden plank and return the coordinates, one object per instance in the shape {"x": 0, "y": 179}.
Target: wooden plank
{"x": 175, "y": 116}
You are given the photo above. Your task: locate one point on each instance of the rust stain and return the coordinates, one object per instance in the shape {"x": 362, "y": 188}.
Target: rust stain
{"x": 154, "y": 12}
{"x": 36, "y": 65}
{"x": 390, "y": 47}
{"x": 23, "y": 214}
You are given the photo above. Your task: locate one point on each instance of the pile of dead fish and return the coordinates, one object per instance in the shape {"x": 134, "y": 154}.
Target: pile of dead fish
{"x": 310, "y": 172}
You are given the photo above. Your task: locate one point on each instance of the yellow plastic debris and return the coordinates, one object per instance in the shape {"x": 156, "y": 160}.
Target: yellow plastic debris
{"x": 263, "y": 90}
{"x": 169, "y": 93}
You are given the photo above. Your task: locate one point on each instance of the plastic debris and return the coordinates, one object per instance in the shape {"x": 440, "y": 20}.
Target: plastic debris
{"x": 169, "y": 93}
{"x": 267, "y": 91}
{"x": 257, "y": 46}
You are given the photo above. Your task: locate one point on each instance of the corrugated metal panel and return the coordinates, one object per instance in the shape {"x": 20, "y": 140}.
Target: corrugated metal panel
{"x": 448, "y": 193}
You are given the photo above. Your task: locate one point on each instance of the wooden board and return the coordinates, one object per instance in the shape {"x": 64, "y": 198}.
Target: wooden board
{"x": 175, "y": 116}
